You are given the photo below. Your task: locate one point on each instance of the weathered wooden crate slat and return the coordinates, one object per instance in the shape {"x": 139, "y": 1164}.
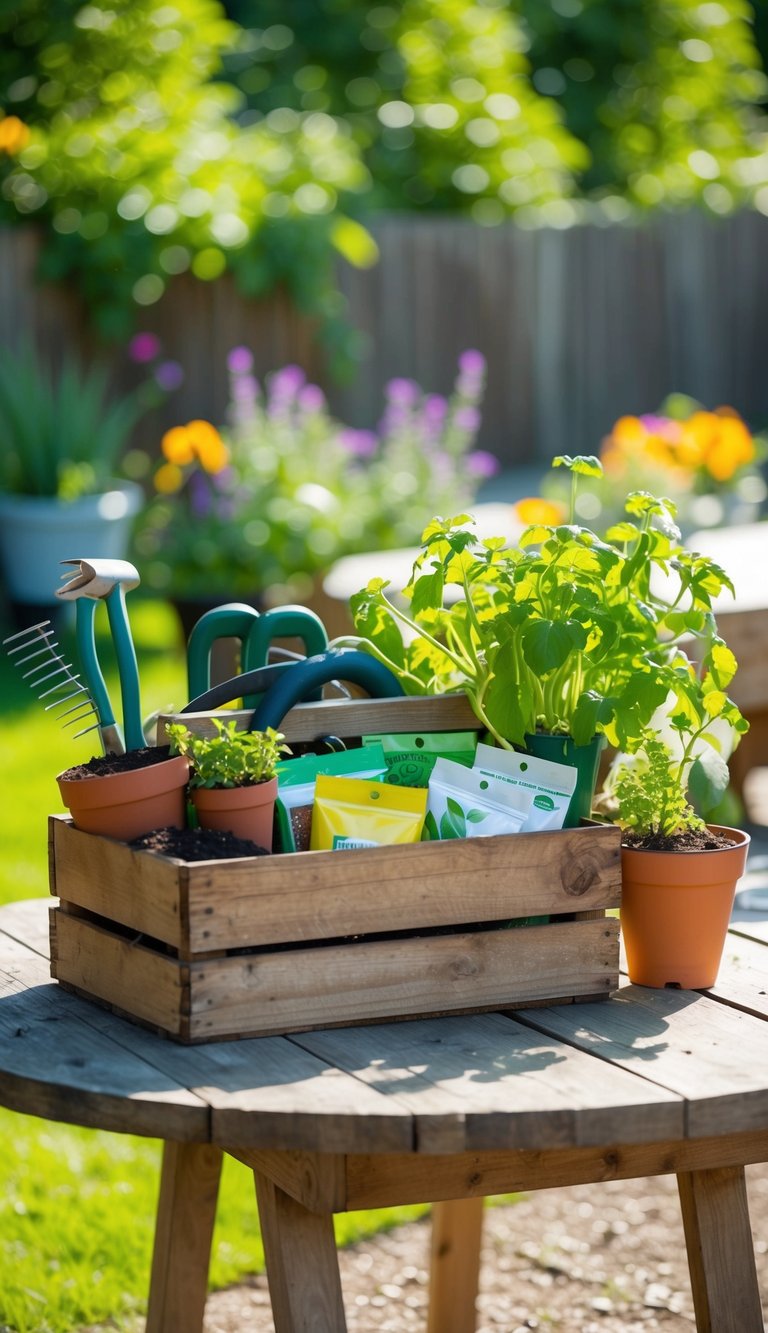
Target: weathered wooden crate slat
{"x": 309, "y": 940}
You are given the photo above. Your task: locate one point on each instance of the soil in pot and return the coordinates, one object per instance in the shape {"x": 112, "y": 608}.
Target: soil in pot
{"x": 200, "y": 844}
{"x": 122, "y": 796}
{"x": 692, "y": 840}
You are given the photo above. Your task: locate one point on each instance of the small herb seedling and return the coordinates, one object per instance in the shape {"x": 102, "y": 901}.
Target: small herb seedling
{"x": 231, "y": 758}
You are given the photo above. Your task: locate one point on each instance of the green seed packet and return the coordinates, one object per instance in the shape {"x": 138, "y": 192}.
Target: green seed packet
{"x": 410, "y": 757}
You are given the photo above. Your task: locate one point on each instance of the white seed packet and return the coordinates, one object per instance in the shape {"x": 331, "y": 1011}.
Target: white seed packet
{"x": 550, "y": 785}
{"x": 464, "y": 803}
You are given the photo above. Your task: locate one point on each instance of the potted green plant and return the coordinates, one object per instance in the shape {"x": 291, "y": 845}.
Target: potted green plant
{"x": 679, "y": 874}
{"x": 61, "y": 434}
{"x": 560, "y": 641}
{"x": 232, "y": 780}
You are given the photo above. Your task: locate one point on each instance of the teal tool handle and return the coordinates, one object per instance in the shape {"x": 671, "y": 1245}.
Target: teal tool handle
{"x": 308, "y": 676}
{"x": 283, "y": 622}
{"x": 85, "y": 616}
{"x": 235, "y": 620}
{"x": 128, "y": 667}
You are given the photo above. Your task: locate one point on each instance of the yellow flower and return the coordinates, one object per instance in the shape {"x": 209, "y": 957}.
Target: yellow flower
{"x": 534, "y": 509}
{"x": 629, "y": 433}
{"x": 177, "y": 445}
{"x": 168, "y": 478}
{"x": 208, "y": 445}
{"x": 14, "y": 135}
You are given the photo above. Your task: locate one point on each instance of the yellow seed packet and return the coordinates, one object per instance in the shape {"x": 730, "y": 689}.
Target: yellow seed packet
{"x": 350, "y": 813}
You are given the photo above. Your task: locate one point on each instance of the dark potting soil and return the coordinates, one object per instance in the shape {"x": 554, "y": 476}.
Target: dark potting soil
{"x": 692, "y": 840}
{"x": 105, "y": 765}
{"x": 198, "y": 844}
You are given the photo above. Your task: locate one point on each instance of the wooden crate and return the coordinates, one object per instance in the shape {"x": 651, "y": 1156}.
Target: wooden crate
{"x": 250, "y": 947}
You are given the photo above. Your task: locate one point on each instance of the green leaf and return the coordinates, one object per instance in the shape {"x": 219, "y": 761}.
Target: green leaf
{"x": 547, "y": 644}
{"x": 720, "y": 663}
{"x": 509, "y": 706}
{"x": 622, "y": 532}
{"x": 476, "y": 816}
{"x": 427, "y": 592}
{"x": 707, "y": 780}
{"x": 430, "y": 828}
{"x": 585, "y": 465}
{"x": 354, "y": 242}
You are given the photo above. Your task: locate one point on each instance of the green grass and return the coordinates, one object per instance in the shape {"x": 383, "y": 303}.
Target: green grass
{"x": 77, "y": 1206}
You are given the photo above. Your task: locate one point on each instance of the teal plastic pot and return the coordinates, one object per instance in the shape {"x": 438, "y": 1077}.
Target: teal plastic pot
{"x": 584, "y": 758}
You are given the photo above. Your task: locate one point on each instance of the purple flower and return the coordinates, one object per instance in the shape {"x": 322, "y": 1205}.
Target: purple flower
{"x": 311, "y": 398}
{"x": 435, "y": 408}
{"x": 240, "y": 361}
{"x": 199, "y": 495}
{"x": 472, "y": 364}
{"x": 467, "y": 418}
{"x": 361, "y": 443}
{"x": 169, "y": 375}
{"x": 285, "y": 383}
{"x": 481, "y": 464}
{"x": 403, "y": 392}
{"x": 245, "y": 388}
{"x": 144, "y": 347}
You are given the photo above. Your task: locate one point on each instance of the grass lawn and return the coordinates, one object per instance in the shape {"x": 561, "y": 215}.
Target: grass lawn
{"x": 77, "y": 1206}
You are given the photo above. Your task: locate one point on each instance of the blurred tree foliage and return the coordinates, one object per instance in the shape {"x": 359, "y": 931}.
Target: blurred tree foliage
{"x": 164, "y": 136}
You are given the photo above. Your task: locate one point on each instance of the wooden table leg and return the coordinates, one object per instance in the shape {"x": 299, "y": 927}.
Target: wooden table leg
{"x": 302, "y": 1263}
{"x": 186, "y": 1210}
{"x": 721, "y": 1255}
{"x": 457, "y": 1228}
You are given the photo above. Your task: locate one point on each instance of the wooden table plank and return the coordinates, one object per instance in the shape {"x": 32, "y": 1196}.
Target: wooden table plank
{"x": 56, "y": 1065}
{"x": 484, "y": 1082}
{"x": 712, "y": 1055}
{"x": 743, "y": 977}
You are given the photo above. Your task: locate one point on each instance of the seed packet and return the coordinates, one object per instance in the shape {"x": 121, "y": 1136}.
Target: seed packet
{"x": 410, "y": 758}
{"x": 551, "y": 785}
{"x": 464, "y": 803}
{"x": 350, "y": 813}
{"x": 296, "y": 787}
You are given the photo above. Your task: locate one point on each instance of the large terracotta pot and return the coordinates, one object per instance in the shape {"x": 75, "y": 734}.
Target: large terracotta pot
{"x": 675, "y": 909}
{"x": 245, "y": 811}
{"x": 125, "y": 805}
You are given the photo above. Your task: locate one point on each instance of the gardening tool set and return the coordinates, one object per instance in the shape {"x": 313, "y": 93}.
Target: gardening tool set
{"x": 271, "y": 680}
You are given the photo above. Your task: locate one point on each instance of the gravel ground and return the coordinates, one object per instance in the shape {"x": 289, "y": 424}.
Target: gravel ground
{"x": 606, "y": 1258}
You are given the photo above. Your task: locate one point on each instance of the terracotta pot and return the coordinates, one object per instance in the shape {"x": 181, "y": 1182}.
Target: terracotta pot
{"x": 245, "y": 811}
{"x": 125, "y": 805}
{"x": 675, "y": 909}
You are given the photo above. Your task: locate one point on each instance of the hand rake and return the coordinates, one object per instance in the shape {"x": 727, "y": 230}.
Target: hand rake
{"x": 36, "y": 649}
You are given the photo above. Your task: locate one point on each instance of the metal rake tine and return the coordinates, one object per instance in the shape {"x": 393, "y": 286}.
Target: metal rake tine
{"x": 73, "y": 721}
{"x": 64, "y": 666}
{"x": 75, "y": 707}
{"x": 24, "y": 633}
{"x": 49, "y": 649}
{"x": 47, "y": 640}
{"x": 60, "y": 684}
{"x": 55, "y": 702}
{"x": 85, "y": 730}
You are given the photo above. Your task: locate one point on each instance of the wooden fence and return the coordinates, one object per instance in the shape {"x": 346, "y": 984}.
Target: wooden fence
{"x": 578, "y": 326}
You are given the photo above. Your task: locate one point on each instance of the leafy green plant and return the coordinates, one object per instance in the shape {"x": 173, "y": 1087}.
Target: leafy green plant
{"x": 61, "y": 433}
{"x": 650, "y": 792}
{"x": 563, "y": 632}
{"x": 231, "y": 758}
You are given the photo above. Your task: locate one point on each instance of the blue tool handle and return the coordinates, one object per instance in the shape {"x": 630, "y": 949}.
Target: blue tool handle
{"x": 128, "y": 668}
{"x": 308, "y": 676}
{"x": 282, "y": 622}
{"x": 235, "y": 620}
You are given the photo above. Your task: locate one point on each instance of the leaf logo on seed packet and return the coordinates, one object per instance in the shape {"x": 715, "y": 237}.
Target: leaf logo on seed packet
{"x": 464, "y": 803}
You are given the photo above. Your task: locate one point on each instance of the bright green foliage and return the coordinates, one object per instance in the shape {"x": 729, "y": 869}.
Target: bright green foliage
{"x": 135, "y": 158}
{"x": 663, "y": 93}
{"x": 231, "y": 758}
{"x": 60, "y": 432}
{"x": 564, "y": 632}
{"x": 650, "y": 792}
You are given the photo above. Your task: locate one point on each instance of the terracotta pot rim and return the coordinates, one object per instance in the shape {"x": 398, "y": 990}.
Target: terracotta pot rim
{"x": 741, "y": 838}
{"x": 99, "y": 789}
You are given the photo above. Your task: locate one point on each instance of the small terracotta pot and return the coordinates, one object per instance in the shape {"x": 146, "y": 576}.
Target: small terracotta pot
{"x": 125, "y": 805}
{"x": 245, "y": 811}
{"x": 675, "y": 909}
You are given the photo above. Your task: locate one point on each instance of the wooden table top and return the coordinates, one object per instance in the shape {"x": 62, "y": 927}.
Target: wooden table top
{"x": 642, "y": 1067}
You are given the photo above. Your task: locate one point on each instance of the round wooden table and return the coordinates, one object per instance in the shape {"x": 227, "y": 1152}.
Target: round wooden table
{"x": 450, "y": 1110}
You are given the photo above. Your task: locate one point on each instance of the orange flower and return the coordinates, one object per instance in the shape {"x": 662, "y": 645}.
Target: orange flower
{"x": 208, "y": 445}
{"x": 629, "y": 433}
{"x": 730, "y": 450}
{"x": 534, "y": 509}
{"x": 168, "y": 478}
{"x": 177, "y": 445}
{"x": 14, "y": 135}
